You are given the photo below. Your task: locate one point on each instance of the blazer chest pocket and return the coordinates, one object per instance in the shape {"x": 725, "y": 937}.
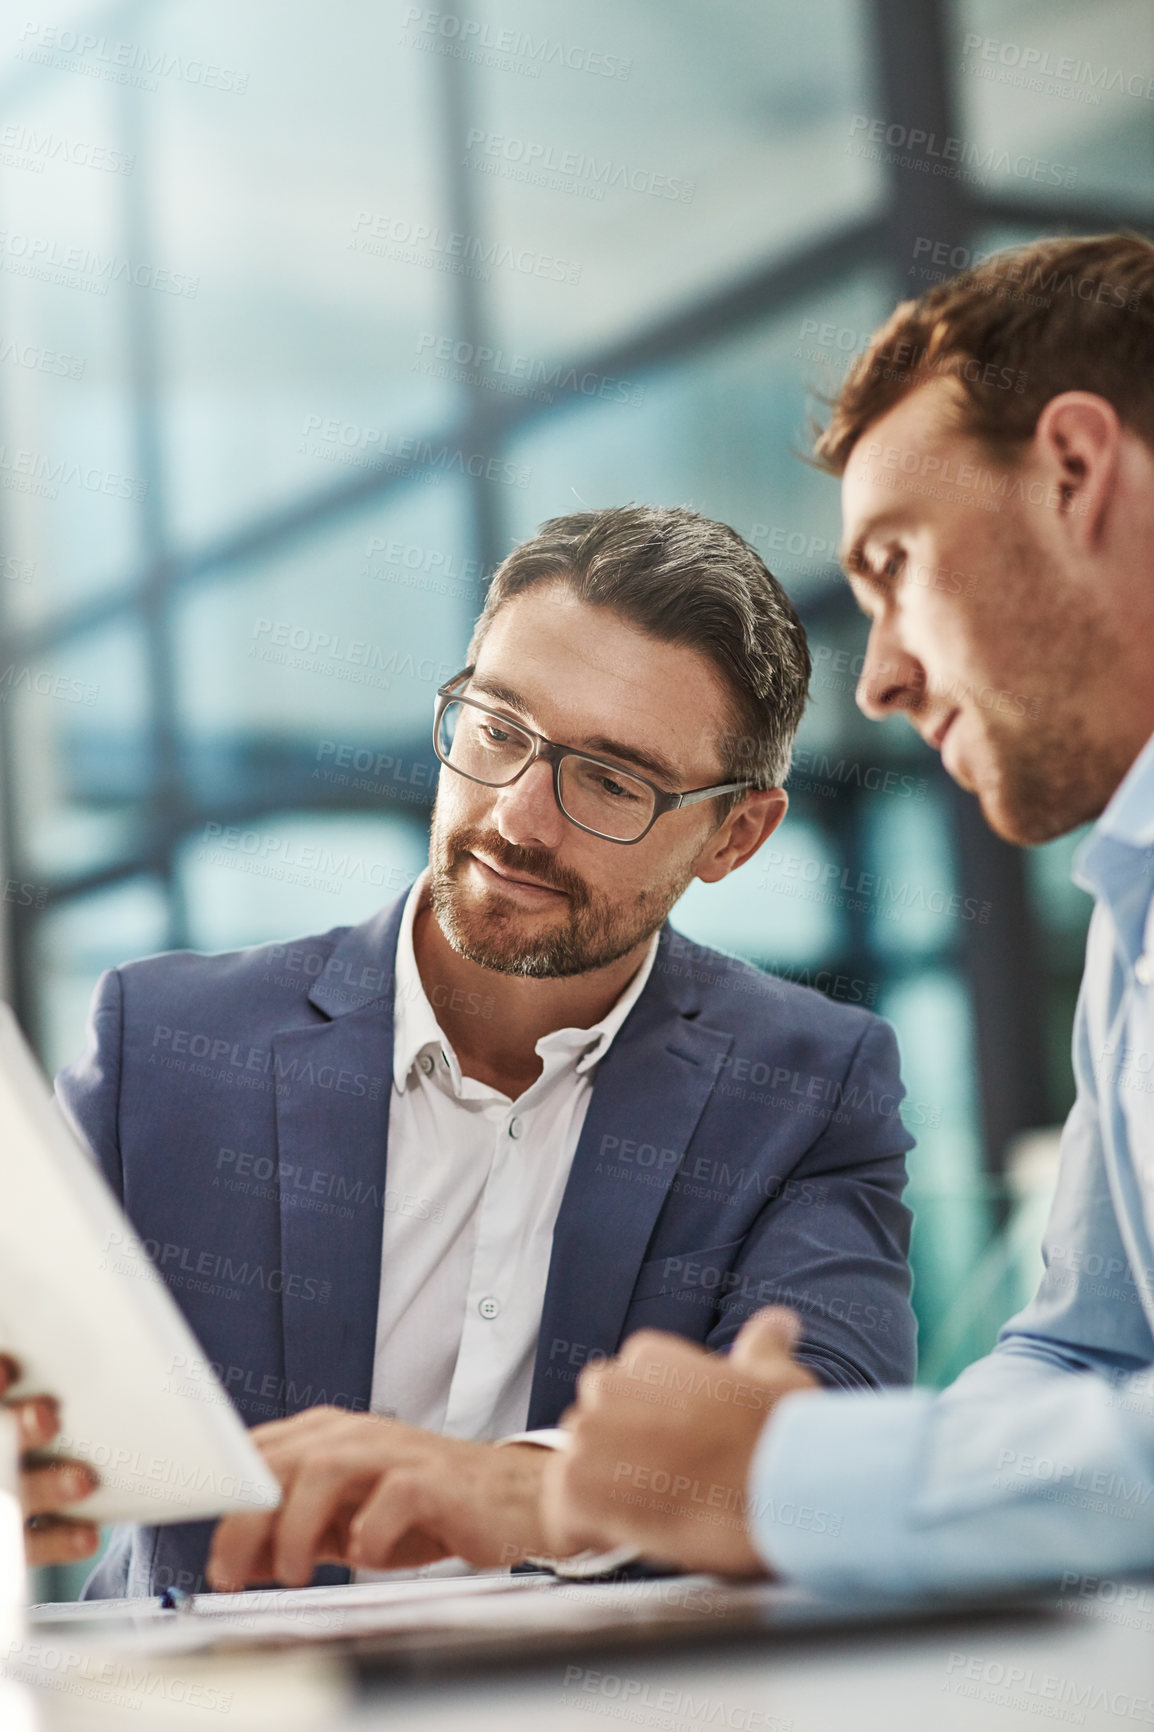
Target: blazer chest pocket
{"x": 701, "y": 1272}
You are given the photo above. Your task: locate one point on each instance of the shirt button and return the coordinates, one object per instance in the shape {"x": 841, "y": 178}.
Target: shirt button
{"x": 516, "y": 1126}
{"x": 489, "y": 1308}
{"x": 426, "y": 1063}
{"x": 1144, "y": 969}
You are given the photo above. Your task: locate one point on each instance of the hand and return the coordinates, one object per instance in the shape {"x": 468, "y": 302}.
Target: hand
{"x": 48, "y": 1486}
{"x": 371, "y": 1493}
{"x": 661, "y": 1440}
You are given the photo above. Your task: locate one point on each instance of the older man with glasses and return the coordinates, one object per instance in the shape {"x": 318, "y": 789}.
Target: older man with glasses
{"x": 514, "y": 1117}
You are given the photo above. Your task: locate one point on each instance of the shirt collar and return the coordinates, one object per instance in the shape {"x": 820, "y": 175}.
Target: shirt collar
{"x": 416, "y": 1029}
{"x": 1127, "y": 824}
{"x": 1116, "y": 861}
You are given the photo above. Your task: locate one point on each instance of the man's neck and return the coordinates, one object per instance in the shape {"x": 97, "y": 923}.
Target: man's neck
{"x": 494, "y": 1021}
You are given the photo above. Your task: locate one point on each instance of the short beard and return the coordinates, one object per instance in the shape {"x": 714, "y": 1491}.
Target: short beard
{"x": 595, "y": 933}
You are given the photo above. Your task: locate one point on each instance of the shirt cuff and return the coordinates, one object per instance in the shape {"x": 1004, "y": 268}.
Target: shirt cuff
{"x": 831, "y": 1486}
{"x": 548, "y": 1438}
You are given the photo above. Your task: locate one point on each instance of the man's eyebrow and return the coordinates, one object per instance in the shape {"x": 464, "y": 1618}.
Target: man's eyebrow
{"x": 655, "y": 762}
{"x": 645, "y": 759}
{"x": 495, "y": 689}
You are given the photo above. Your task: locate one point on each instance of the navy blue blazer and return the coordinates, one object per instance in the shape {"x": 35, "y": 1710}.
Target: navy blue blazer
{"x": 742, "y": 1147}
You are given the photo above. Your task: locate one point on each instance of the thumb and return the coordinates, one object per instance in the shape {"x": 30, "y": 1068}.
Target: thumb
{"x": 767, "y": 1339}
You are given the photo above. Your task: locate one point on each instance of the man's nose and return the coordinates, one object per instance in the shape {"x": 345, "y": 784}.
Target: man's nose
{"x": 891, "y": 679}
{"x": 526, "y": 812}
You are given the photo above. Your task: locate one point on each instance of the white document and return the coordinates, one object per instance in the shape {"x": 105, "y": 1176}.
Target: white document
{"x": 91, "y": 1323}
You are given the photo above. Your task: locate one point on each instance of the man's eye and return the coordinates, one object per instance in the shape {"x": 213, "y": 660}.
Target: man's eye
{"x": 495, "y": 734}
{"x": 895, "y": 564}
{"x": 615, "y": 789}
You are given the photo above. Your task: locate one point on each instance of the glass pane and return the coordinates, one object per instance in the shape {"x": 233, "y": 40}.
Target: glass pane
{"x": 83, "y": 768}
{"x": 76, "y": 943}
{"x": 719, "y": 430}
{"x": 774, "y": 910}
{"x": 284, "y": 875}
{"x": 325, "y": 652}
{"x": 1055, "y": 99}
{"x": 669, "y": 156}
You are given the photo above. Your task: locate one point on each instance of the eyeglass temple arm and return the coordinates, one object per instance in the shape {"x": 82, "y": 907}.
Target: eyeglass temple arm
{"x": 699, "y": 794}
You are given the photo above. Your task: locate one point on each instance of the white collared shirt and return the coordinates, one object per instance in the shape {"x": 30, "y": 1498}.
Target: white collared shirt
{"x": 473, "y": 1185}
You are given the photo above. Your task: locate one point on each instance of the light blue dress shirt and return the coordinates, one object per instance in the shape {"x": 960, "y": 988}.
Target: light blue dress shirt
{"x": 1039, "y": 1460}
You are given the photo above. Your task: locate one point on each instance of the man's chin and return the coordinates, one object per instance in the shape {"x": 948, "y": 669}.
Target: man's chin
{"x": 1025, "y": 822}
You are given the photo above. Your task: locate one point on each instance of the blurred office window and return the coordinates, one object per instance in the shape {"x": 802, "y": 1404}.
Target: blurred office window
{"x": 308, "y": 312}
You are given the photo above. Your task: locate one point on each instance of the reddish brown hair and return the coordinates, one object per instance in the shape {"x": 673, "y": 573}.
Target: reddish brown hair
{"x": 1014, "y": 331}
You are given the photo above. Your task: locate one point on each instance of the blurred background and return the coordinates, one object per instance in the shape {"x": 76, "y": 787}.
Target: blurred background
{"x": 309, "y": 312}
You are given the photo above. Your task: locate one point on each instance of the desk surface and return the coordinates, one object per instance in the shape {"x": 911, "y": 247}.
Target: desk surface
{"x": 1088, "y": 1664}
{"x": 1092, "y": 1671}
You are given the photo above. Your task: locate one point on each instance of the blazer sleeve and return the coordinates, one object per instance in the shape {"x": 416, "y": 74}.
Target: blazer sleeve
{"x": 841, "y": 1220}
{"x": 89, "y": 1089}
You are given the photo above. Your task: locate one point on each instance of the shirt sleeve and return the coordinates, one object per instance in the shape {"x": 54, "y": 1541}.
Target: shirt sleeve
{"x": 1037, "y": 1461}
{"x": 551, "y": 1437}
{"x": 1020, "y": 1471}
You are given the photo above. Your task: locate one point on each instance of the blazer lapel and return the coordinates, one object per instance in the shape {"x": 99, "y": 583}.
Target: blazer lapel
{"x": 651, "y": 1090}
{"x": 334, "y": 1083}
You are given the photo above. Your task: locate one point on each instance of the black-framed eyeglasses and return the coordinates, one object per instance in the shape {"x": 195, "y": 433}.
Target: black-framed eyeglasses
{"x": 487, "y": 746}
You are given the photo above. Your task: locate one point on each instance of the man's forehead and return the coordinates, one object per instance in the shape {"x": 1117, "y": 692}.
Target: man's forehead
{"x": 926, "y": 419}
{"x": 877, "y": 490}
{"x": 666, "y": 699}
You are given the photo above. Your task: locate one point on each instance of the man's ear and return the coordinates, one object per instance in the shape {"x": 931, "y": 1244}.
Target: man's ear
{"x": 1078, "y": 441}
{"x": 741, "y": 834}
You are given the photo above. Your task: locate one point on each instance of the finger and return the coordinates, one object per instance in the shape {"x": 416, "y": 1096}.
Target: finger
{"x": 767, "y": 1339}
{"x": 50, "y": 1487}
{"x": 313, "y": 1503}
{"x": 9, "y": 1372}
{"x": 37, "y": 1421}
{"x": 399, "y": 1504}
{"x": 240, "y": 1545}
{"x": 59, "y": 1542}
